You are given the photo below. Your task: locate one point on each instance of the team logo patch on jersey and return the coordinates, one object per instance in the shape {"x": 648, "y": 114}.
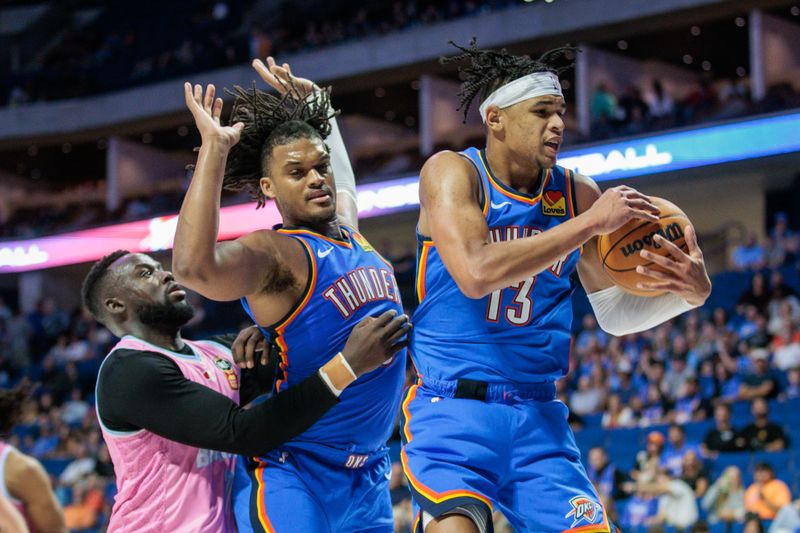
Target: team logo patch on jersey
{"x": 584, "y": 509}
{"x": 554, "y": 204}
{"x": 229, "y": 371}
{"x": 362, "y": 242}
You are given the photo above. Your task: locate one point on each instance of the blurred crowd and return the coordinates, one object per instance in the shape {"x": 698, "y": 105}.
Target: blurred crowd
{"x": 131, "y": 44}
{"x": 638, "y": 110}
{"x": 727, "y": 369}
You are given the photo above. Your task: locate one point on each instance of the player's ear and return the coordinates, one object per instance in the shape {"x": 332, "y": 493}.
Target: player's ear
{"x": 114, "y": 306}
{"x": 267, "y": 187}
{"x": 494, "y": 118}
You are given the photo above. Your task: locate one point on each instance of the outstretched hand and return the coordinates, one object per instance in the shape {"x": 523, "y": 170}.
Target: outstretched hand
{"x": 682, "y": 274}
{"x": 280, "y": 78}
{"x": 206, "y": 110}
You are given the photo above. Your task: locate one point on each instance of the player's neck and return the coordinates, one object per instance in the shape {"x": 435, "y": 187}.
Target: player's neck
{"x": 329, "y": 228}
{"x": 169, "y": 340}
{"x": 523, "y": 176}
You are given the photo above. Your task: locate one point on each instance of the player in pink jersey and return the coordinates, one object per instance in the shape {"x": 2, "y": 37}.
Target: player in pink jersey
{"x": 169, "y": 407}
{"x": 24, "y": 484}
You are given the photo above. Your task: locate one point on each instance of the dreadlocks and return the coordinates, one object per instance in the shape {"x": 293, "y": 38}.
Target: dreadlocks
{"x": 270, "y": 121}
{"x": 491, "y": 69}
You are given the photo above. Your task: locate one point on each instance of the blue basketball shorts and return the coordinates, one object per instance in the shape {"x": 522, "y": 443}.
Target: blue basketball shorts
{"x": 513, "y": 451}
{"x": 297, "y": 491}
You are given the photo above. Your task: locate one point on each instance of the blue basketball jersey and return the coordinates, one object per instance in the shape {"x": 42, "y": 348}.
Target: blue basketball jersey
{"x": 348, "y": 281}
{"x": 520, "y": 334}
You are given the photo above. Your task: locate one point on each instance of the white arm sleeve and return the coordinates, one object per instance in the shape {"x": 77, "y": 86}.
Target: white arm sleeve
{"x": 340, "y": 162}
{"x": 621, "y": 313}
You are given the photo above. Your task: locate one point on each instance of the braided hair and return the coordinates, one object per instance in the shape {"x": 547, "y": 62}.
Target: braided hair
{"x": 271, "y": 120}
{"x": 490, "y": 69}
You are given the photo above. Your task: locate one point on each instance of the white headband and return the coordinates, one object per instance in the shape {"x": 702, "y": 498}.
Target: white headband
{"x": 530, "y": 86}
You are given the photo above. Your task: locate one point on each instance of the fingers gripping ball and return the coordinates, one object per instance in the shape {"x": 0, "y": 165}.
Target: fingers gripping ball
{"x": 620, "y": 250}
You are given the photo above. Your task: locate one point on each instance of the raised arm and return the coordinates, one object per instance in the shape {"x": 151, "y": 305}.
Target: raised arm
{"x": 453, "y": 219}
{"x": 280, "y": 78}
{"x": 226, "y": 270}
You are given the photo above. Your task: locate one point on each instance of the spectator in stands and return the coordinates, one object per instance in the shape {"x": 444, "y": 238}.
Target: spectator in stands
{"x": 590, "y": 332}
{"x": 606, "y": 477}
{"x": 759, "y": 381}
{"x": 783, "y": 307}
{"x": 617, "y": 414}
{"x": 624, "y": 386}
{"x": 87, "y": 503}
{"x": 766, "y": 495}
{"x": 587, "y": 399}
{"x": 74, "y": 411}
{"x": 792, "y": 390}
{"x": 648, "y": 461}
{"x": 679, "y": 371}
{"x": 676, "y": 448}
{"x": 694, "y": 473}
{"x": 603, "y": 109}
{"x": 724, "y": 500}
{"x": 660, "y": 105}
{"x": 633, "y": 109}
{"x": 749, "y": 255}
{"x": 677, "y": 506}
{"x": 787, "y": 520}
{"x": 639, "y": 510}
{"x": 762, "y": 434}
{"x": 690, "y": 404}
{"x": 786, "y": 347}
{"x": 655, "y": 407}
{"x": 724, "y": 437}
{"x": 757, "y": 295}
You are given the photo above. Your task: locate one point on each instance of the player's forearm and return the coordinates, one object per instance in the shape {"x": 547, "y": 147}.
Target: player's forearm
{"x": 198, "y": 222}
{"x": 501, "y": 264}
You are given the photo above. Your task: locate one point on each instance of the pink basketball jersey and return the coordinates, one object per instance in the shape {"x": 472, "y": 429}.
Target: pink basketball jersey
{"x": 165, "y": 486}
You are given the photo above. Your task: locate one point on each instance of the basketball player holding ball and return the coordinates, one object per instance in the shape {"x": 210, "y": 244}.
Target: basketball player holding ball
{"x": 500, "y": 232}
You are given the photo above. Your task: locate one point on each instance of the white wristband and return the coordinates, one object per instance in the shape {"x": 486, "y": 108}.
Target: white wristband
{"x": 336, "y": 392}
{"x": 621, "y": 313}
{"x": 347, "y": 365}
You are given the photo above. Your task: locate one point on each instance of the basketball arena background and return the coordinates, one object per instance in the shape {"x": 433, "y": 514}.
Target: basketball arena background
{"x": 697, "y": 101}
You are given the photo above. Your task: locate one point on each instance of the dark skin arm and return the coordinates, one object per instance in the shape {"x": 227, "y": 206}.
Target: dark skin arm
{"x": 451, "y": 216}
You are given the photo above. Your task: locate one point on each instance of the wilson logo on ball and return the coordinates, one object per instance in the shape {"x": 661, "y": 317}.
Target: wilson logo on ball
{"x": 554, "y": 204}
{"x": 672, "y": 233}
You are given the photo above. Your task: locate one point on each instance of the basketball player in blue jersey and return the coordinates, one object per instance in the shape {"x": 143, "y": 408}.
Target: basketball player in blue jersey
{"x": 307, "y": 283}
{"x": 501, "y": 230}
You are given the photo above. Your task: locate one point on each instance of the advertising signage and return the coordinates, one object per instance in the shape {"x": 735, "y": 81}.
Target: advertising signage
{"x": 745, "y": 139}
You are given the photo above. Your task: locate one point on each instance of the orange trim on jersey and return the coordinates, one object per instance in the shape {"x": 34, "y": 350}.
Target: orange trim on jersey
{"x": 280, "y": 327}
{"x": 410, "y": 395}
{"x": 338, "y": 242}
{"x": 261, "y": 506}
{"x": 309, "y": 290}
{"x": 430, "y": 494}
{"x": 422, "y": 269}
{"x": 417, "y": 522}
{"x": 569, "y": 175}
{"x": 504, "y": 189}
{"x": 283, "y": 364}
{"x": 440, "y": 497}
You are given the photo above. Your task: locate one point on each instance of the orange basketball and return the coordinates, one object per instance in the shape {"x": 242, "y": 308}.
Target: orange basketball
{"x": 619, "y": 250}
